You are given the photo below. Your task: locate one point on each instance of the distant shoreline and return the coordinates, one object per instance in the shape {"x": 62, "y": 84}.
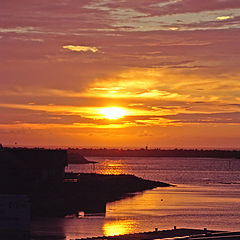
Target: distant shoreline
{"x": 103, "y": 152}
{"x": 76, "y": 158}
{"x": 78, "y": 155}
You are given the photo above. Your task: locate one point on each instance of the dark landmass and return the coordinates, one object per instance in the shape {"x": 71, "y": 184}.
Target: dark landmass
{"x": 181, "y": 233}
{"x": 104, "y": 152}
{"x": 39, "y": 174}
{"x": 88, "y": 193}
{"x": 175, "y": 233}
{"x": 26, "y": 170}
{"x": 75, "y": 158}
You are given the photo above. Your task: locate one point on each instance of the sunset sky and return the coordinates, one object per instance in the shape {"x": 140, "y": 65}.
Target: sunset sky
{"x": 162, "y": 73}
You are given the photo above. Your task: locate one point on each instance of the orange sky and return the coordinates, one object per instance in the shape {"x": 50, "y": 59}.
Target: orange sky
{"x": 162, "y": 73}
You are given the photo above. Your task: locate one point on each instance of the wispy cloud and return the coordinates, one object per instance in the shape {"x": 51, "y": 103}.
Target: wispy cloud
{"x": 224, "y": 17}
{"x": 17, "y": 29}
{"x": 169, "y": 62}
{"x": 227, "y": 118}
{"x": 78, "y": 48}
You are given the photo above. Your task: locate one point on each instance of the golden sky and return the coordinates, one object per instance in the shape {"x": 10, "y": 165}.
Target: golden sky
{"x": 162, "y": 73}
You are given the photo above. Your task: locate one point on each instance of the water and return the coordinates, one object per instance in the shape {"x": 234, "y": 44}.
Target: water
{"x": 207, "y": 195}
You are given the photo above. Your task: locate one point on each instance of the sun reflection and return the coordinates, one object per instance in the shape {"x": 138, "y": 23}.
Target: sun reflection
{"x": 113, "y": 112}
{"x": 119, "y": 227}
{"x": 113, "y": 167}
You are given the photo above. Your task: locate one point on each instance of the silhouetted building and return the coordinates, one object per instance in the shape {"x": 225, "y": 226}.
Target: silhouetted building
{"x": 25, "y": 170}
{"x": 14, "y": 217}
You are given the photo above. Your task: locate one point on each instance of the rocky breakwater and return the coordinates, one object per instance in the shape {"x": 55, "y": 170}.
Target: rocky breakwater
{"x": 88, "y": 193}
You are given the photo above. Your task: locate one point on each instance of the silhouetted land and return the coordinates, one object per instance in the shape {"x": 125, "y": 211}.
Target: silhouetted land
{"x": 88, "y": 193}
{"x": 76, "y": 158}
{"x": 104, "y": 152}
{"x": 39, "y": 174}
{"x": 181, "y": 233}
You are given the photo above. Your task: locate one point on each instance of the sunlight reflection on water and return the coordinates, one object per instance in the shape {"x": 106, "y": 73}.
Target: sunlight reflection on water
{"x": 207, "y": 195}
{"x": 215, "y": 207}
{"x": 111, "y": 228}
{"x": 112, "y": 167}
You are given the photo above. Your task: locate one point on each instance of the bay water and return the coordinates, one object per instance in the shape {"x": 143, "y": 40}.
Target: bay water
{"x": 206, "y": 195}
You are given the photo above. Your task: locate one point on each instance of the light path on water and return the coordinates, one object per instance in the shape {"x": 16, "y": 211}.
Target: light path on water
{"x": 206, "y": 195}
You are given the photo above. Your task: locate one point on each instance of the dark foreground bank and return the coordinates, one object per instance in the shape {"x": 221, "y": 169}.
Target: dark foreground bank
{"x": 39, "y": 174}
{"x": 174, "y": 234}
{"x": 87, "y": 192}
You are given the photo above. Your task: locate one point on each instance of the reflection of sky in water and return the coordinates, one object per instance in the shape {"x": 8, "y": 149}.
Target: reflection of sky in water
{"x": 215, "y": 207}
{"x": 190, "y": 171}
{"x": 200, "y": 199}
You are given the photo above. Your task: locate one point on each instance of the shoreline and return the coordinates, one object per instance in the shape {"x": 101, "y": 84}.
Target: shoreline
{"x": 188, "y": 153}
{"x": 183, "y": 233}
{"x": 89, "y": 193}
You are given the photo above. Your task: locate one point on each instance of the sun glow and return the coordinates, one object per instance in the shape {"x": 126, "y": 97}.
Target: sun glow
{"x": 113, "y": 113}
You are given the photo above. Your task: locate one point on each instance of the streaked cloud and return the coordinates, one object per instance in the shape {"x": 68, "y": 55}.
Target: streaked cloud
{"x": 216, "y": 118}
{"x": 174, "y": 28}
{"x": 172, "y": 64}
{"x": 224, "y": 17}
{"x": 18, "y": 30}
{"x": 81, "y": 48}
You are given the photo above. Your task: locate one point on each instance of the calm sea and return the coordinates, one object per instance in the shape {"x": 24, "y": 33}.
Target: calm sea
{"x": 207, "y": 194}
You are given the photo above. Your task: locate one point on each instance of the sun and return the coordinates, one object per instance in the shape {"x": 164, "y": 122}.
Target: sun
{"x": 113, "y": 113}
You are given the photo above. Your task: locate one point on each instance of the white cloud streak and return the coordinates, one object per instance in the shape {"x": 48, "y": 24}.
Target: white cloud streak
{"x": 81, "y": 48}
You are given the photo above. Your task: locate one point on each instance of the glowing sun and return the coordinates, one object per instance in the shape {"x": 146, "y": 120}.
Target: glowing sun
{"x": 113, "y": 112}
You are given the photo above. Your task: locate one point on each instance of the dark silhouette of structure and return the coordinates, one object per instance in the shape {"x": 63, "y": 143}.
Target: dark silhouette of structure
{"x": 25, "y": 170}
{"x": 25, "y": 176}
{"x": 39, "y": 174}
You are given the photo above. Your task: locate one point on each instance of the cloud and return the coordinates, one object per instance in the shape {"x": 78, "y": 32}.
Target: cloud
{"x": 161, "y": 57}
{"x": 156, "y": 7}
{"x": 224, "y": 17}
{"x": 81, "y": 48}
{"x": 174, "y": 28}
{"x": 19, "y": 30}
{"x": 227, "y": 118}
